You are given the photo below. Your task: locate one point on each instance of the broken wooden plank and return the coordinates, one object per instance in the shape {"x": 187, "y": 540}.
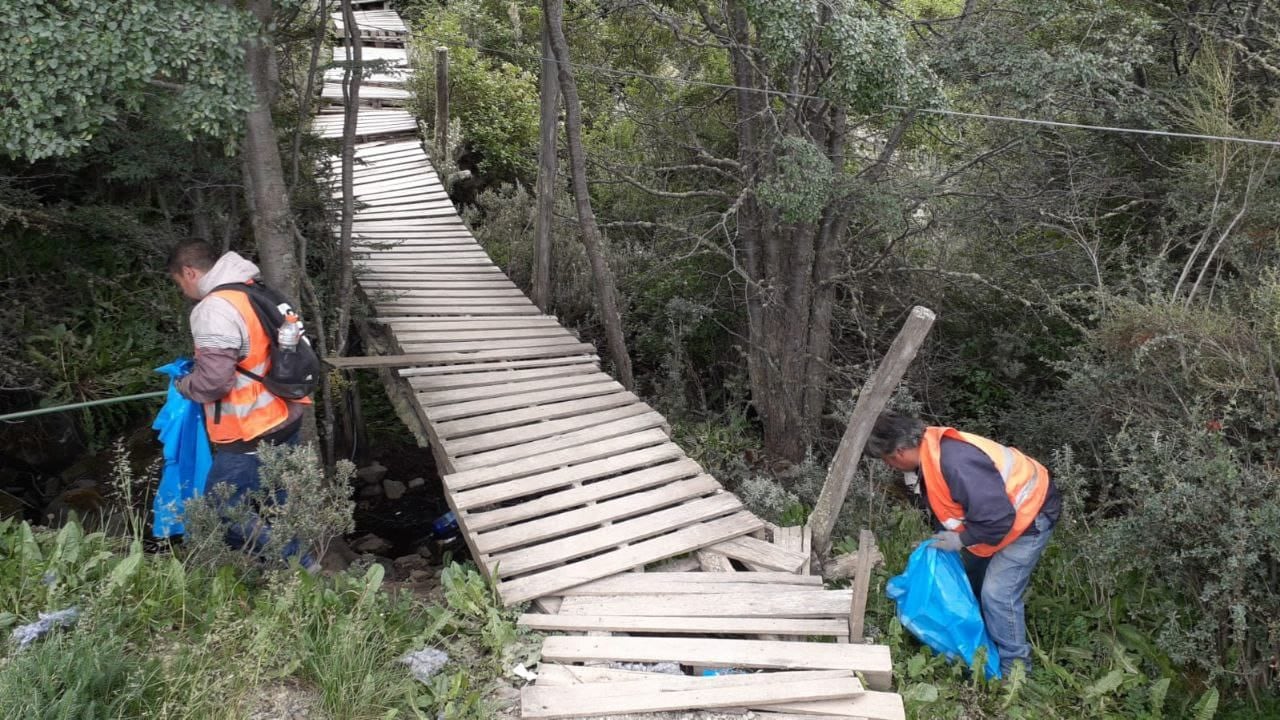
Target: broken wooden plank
{"x": 871, "y": 660}
{"x": 523, "y": 416}
{"x": 604, "y": 431}
{"x": 675, "y": 625}
{"x": 444, "y": 358}
{"x": 679, "y": 542}
{"x": 534, "y": 464}
{"x": 594, "y": 515}
{"x": 870, "y": 705}
{"x": 871, "y": 401}
{"x": 547, "y": 554}
{"x": 656, "y": 695}
{"x": 534, "y": 432}
{"x": 813, "y": 602}
{"x": 557, "y": 501}
{"x": 692, "y": 582}
{"x": 760, "y": 553}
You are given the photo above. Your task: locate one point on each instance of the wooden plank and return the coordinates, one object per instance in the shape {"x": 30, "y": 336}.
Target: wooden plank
{"x": 870, "y": 705}
{"x": 692, "y": 582}
{"x": 871, "y": 401}
{"x": 496, "y": 377}
{"x": 443, "y": 246}
{"x": 871, "y": 660}
{"x": 595, "y": 433}
{"x": 445, "y": 296}
{"x": 808, "y": 602}
{"x": 553, "y": 552}
{"x": 469, "y": 311}
{"x": 498, "y": 421}
{"x": 558, "y": 675}
{"x": 409, "y": 359}
{"x": 868, "y": 556}
{"x": 462, "y": 305}
{"x": 638, "y": 554}
{"x": 761, "y": 553}
{"x": 521, "y": 322}
{"x": 472, "y": 287}
{"x": 478, "y": 260}
{"x": 524, "y": 400}
{"x": 803, "y": 627}
{"x": 714, "y": 562}
{"x": 639, "y": 478}
{"x": 795, "y": 538}
{"x": 638, "y": 696}
{"x": 671, "y": 589}
{"x": 453, "y": 277}
{"x": 531, "y": 465}
{"x": 493, "y": 344}
{"x": 407, "y": 300}
{"x": 591, "y": 516}
{"x": 541, "y": 429}
{"x": 464, "y": 332}
{"x": 424, "y": 223}
{"x": 454, "y": 369}
{"x": 441, "y": 398}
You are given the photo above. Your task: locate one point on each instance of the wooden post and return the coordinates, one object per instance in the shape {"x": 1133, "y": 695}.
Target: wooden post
{"x": 868, "y": 556}
{"x": 442, "y": 102}
{"x": 549, "y": 101}
{"x": 871, "y": 401}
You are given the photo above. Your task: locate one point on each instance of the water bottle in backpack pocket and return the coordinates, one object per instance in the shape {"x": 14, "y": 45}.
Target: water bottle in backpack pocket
{"x": 295, "y": 367}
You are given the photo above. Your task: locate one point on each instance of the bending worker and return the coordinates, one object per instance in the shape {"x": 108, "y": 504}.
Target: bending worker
{"x": 991, "y": 503}
{"x": 240, "y": 413}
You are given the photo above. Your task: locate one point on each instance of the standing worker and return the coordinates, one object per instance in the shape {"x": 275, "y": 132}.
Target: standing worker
{"x": 993, "y": 504}
{"x": 240, "y": 412}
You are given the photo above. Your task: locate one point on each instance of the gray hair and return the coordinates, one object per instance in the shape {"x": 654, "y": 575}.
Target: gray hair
{"x": 891, "y": 432}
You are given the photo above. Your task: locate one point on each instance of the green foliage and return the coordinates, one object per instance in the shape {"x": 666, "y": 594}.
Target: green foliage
{"x": 317, "y": 508}
{"x": 802, "y": 182}
{"x": 495, "y": 100}
{"x": 74, "y": 66}
{"x": 162, "y": 638}
{"x": 83, "y": 674}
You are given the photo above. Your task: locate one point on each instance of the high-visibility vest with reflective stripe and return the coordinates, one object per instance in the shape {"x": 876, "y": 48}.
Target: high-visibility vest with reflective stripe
{"x": 1026, "y": 482}
{"x": 249, "y": 410}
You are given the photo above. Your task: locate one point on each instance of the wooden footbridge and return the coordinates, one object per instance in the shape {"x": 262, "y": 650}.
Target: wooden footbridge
{"x": 567, "y": 487}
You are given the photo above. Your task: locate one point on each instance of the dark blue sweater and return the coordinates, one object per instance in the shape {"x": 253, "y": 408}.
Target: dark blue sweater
{"x": 975, "y": 484}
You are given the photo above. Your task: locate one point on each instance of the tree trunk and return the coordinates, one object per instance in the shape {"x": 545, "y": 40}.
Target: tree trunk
{"x": 304, "y": 102}
{"x": 549, "y": 98}
{"x": 272, "y": 218}
{"x": 790, "y": 267}
{"x": 602, "y": 276}
{"x": 351, "y": 78}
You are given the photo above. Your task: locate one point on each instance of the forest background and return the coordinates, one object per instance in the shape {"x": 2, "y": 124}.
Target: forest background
{"x": 776, "y": 189}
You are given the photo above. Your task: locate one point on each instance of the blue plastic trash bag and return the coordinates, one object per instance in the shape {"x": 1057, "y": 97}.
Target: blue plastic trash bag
{"x": 936, "y": 603}
{"x": 180, "y": 425}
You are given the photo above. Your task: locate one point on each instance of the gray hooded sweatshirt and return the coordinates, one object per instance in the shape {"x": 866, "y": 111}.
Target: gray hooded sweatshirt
{"x": 221, "y": 336}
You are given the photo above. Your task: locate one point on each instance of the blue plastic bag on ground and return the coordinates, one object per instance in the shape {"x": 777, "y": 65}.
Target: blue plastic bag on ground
{"x": 187, "y": 458}
{"x": 936, "y": 603}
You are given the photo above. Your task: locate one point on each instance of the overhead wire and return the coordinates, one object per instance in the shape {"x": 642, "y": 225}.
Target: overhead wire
{"x": 921, "y": 110}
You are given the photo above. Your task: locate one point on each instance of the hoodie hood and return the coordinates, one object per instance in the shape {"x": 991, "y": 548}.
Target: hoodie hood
{"x": 230, "y": 268}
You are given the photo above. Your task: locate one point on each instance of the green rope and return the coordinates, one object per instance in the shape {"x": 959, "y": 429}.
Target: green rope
{"x": 77, "y": 406}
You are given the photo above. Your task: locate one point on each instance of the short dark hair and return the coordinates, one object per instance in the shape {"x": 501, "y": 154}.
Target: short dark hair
{"x": 196, "y": 254}
{"x": 891, "y": 432}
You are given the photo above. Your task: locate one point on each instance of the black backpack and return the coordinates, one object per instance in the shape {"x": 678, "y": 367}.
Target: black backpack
{"x": 292, "y": 375}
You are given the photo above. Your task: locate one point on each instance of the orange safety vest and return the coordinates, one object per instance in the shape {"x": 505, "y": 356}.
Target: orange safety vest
{"x": 249, "y": 410}
{"x": 1026, "y": 482}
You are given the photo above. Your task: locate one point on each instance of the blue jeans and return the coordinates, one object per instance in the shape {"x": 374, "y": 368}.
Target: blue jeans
{"x": 1000, "y": 583}
{"x": 246, "y": 530}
